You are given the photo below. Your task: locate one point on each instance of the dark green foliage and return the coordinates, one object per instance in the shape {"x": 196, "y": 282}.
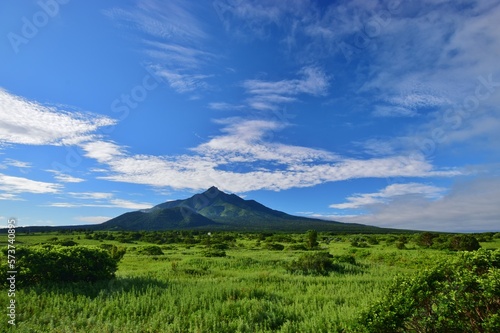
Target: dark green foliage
{"x": 425, "y": 239}
{"x": 214, "y": 253}
{"x": 461, "y": 294}
{"x": 220, "y": 246}
{"x": 68, "y": 242}
{"x": 54, "y": 264}
{"x": 298, "y": 247}
{"x": 372, "y": 240}
{"x": 316, "y": 263}
{"x": 345, "y": 258}
{"x": 275, "y": 247}
{"x": 312, "y": 239}
{"x": 464, "y": 243}
{"x": 152, "y": 250}
{"x": 114, "y": 251}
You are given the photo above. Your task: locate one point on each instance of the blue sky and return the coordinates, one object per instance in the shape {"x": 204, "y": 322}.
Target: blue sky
{"x": 382, "y": 113}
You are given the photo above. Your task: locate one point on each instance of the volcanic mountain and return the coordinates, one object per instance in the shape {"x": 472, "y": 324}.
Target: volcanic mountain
{"x": 216, "y": 210}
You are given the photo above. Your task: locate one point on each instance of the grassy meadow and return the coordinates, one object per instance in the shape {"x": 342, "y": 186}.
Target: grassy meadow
{"x": 190, "y": 288}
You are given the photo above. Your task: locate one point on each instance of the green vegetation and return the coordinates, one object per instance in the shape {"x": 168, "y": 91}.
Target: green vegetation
{"x": 460, "y": 294}
{"x": 53, "y": 264}
{"x": 193, "y": 281}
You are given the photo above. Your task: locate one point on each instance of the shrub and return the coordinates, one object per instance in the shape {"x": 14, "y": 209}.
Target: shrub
{"x": 464, "y": 243}
{"x": 220, "y": 246}
{"x": 275, "y": 247}
{"x": 461, "y": 294}
{"x": 426, "y": 239}
{"x": 312, "y": 239}
{"x": 345, "y": 258}
{"x": 298, "y": 247}
{"x": 152, "y": 250}
{"x": 317, "y": 263}
{"x": 42, "y": 264}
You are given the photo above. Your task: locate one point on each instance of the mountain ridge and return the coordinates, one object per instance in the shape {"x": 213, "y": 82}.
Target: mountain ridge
{"x": 216, "y": 210}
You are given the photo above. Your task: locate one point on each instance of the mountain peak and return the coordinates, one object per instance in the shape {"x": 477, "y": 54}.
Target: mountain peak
{"x": 213, "y": 191}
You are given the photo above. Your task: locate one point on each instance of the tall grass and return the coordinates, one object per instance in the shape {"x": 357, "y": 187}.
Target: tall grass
{"x": 247, "y": 291}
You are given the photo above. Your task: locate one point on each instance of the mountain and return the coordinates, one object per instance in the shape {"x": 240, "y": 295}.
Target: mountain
{"x": 216, "y": 210}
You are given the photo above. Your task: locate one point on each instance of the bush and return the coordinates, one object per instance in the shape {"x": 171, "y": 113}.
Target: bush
{"x": 317, "y": 263}
{"x": 298, "y": 247}
{"x": 345, "y": 258}
{"x": 461, "y": 294}
{"x": 275, "y": 247}
{"x": 464, "y": 243}
{"x": 152, "y": 250}
{"x": 43, "y": 264}
{"x": 312, "y": 239}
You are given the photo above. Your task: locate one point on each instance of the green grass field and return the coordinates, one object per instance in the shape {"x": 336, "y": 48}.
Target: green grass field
{"x": 248, "y": 290}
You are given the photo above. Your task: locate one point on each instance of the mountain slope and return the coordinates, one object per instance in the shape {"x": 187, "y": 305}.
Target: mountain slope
{"x": 161, "y": 219}
{"x": 216, "y": 210}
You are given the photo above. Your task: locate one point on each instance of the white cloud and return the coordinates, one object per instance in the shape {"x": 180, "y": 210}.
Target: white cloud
{"x": 224, "y": 106}
{"x": 112, "y": 203}
{"x": 243, "y": 159}
{"x": 469, "y": 206}
{"x": 17, "y": 164}
{"x": 14, "y": 185}
{"x": 388, "y": 194}
{"x": 93, "y": 219}
{"x": 31, "y": 123}
{"x": 267, "y": 95}
{"x": 174, "y": 41}
{"x": 68, "y": 179}
{"x": 64, "y": 178}
{"x": 102, "y": 151}
{"x": 91, "y": 195}
{"x": 183, "y": 83}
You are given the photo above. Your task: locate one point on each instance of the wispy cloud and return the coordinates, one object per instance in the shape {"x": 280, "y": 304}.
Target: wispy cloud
{"x": 267, "y": 95}
{"x": 389, "y": 193}
{"x": 16, "y": 164}
{"x": 241, "y": 159}
{"x": 468, "y": 207}
{"x": 100, "y": 200}
{"x": 14, "y": 185}
{"x": 183, "y": 83}
{"x": 174, "y": 39}
{"x": 223, "y": 106}
{"x": 28, "y": 122}
{"x": 93, "y": 219}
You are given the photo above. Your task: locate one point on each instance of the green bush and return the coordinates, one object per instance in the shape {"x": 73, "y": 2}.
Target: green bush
{"x": 461, "y": 294}
{"x": 275, "y": 247}
{"x": 297, "y": 247}
{"x": 345, "y": 258}
{"x": 464, "y": 243}
{"x": 317, "y": 263}
{"x": 152, "y": 250}
{"x": 42, "y": 264}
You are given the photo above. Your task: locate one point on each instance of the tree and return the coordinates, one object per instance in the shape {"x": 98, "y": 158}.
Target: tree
{"x": 426, "y": 239}
{"x": 464, "y": 243}
{"x": 461, "y": 294}
{"x": 312, "y": 239}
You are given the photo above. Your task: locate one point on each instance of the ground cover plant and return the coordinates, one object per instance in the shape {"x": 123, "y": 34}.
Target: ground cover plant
{"x": 172, "y": 282}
